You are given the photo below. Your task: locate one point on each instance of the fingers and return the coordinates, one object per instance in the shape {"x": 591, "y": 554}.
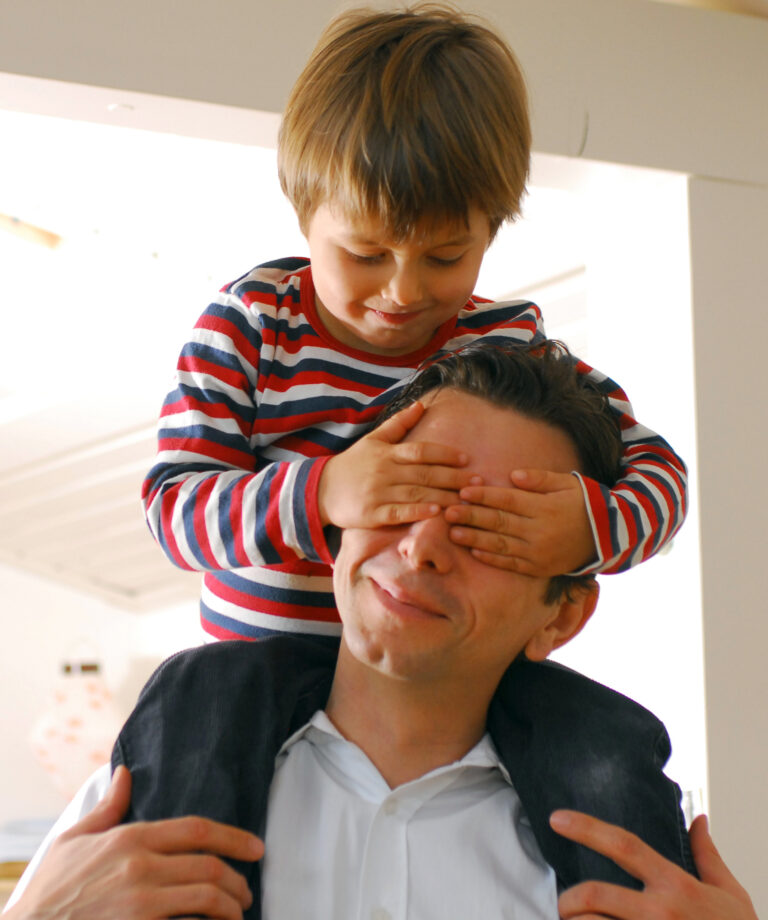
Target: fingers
{"x": 196, "y": 834}
{"x": 667, "y": 892}
{"x": 542, "y": 480}
{"x": 198, "y": 900}
{"x": 619, "y": 845}
{"x": 492, "y": 525}
{"x": 546, "y": 532}
{"x": 709, "y": 863}
{"x": 396, "y": 428}
{"x": 198, "y": 883}
{"x": 110, "y": 811}
{"x": 598, "y": 900}
{"x": 428, "y": 454}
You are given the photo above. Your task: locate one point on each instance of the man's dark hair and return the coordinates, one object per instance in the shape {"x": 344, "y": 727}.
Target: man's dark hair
{"x": 542, "y": 382}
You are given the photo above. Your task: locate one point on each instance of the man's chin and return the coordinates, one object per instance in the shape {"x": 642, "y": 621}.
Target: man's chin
{"x": 400, "y": 658}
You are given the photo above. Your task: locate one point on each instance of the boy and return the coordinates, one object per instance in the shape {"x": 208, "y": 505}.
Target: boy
{"x": 404, "y": 146}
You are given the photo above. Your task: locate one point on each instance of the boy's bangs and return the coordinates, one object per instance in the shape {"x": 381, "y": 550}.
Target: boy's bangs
{"x": 404, "y": 195}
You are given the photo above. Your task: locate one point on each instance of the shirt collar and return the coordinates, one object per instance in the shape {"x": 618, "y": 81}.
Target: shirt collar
{"x": 319, "y": 730}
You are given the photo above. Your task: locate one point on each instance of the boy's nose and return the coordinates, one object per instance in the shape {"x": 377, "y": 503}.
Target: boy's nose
{"x": 426, "y": 545}
{"x": 404, "y": 286}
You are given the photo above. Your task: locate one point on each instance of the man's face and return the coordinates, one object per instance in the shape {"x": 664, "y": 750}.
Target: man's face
{"x": 418, "y": 607}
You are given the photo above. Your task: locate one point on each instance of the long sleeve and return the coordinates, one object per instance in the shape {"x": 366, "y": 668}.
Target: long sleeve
{"x": 647, "y": 506}
{"x": 643, "y": 511}
{"x": 211, "y": 501}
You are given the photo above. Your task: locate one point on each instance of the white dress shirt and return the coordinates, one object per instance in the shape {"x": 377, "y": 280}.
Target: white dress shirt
{"x": 451, "y": 845}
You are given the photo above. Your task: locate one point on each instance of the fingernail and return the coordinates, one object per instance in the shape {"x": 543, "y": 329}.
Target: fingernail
{"x": 560, "y": 820}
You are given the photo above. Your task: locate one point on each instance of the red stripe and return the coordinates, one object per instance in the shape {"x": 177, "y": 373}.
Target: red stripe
{"x": 193, "y": 364}
{"x": 213, "y": 410}
{"x": 201, "y": 495}
{"x": 224, "y": 326}
{"x": 288, "y": 611}
{"x": 242, "y": 459}
{"x": 167, "y": 503}
{"x": 236, "y": 521}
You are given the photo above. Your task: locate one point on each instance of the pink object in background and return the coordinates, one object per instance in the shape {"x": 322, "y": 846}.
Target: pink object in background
{"x": 75, "y": 733}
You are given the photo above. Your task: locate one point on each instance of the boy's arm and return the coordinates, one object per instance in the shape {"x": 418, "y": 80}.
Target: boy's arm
{"x": 208, "y": 500}
{"x": 647, "y": 506}
{"x": 213, "y": 503}
{"x": 547, "y": 523}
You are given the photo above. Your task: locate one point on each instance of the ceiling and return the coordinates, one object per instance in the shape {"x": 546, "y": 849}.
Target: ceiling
{"x": 747, "y": 7}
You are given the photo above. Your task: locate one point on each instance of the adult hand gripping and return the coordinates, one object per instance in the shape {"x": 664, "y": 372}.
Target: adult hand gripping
{"x": 143, "y": 871}
{"x": 669, "y": 893}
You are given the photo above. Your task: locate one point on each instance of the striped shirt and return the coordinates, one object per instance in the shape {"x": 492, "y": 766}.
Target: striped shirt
{"x": 264, "y": 395}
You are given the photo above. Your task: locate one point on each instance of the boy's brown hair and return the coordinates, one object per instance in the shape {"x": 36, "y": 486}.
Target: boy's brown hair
{"x": 405, "y": 117}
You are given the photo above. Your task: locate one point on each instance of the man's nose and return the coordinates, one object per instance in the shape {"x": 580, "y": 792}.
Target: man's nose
{"x": 404, "y": 285}
{"x": 426, "y": 545}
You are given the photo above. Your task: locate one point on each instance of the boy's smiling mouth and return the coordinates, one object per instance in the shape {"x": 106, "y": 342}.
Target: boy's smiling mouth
{"x": 397, "y": 319}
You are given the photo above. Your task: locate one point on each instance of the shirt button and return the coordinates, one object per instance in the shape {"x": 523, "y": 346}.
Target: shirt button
{"x": 390, "y": 807}
{"x": 380, "y": 914}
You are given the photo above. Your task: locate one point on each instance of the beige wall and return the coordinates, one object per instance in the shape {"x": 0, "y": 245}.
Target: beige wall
{"x": 729, "y": 241}
{"x": 618, "y": 80}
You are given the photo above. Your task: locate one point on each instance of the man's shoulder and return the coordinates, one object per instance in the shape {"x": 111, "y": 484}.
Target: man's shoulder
{"x": 220, "y": 667}
{"x": 552, "y": 692}
{"x": 230, "y": 684}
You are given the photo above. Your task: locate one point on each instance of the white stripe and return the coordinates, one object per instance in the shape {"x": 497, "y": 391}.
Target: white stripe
{"x": 191, "y": 417}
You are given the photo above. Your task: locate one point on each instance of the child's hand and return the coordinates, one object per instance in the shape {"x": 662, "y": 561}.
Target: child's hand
{"x": 379, "y": 481}
{"x": 538, "y": 526}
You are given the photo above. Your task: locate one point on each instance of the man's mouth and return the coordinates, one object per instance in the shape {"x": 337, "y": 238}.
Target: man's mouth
{"x": 405, "y": 601}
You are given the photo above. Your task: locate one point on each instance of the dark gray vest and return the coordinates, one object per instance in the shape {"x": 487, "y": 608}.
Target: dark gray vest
{"x": 208, "y": 725}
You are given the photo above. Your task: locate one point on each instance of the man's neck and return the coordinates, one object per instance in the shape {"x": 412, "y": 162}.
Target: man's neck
{"x": 406, "y": 729}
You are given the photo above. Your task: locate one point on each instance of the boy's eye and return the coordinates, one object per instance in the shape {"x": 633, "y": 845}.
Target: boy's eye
{"x": 365, "y": 260}
{"x": 436, "y": 260}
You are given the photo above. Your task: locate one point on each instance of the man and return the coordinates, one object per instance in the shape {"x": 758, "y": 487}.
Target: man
{"x": 417, "y": 770}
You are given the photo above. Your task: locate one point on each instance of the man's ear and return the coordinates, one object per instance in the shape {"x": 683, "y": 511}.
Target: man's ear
{"x": 568, "y": 620}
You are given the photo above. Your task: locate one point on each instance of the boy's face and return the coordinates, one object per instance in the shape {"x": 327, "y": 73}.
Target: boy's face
{"x": 390, "y": 298}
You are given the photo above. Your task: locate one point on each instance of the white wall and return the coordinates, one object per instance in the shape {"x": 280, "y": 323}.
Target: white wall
{"x": 729, "y": 242}
{"x": 45, "y": 625}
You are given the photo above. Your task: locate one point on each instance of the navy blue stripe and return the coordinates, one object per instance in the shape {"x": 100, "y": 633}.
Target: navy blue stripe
{"x": 225, "y": 525}
{"x": 503, "y": 315}
{"x": 266, "y": 549}
{"x": 322, "y": 600}
{"x": 213, "y": 397}
{"x": 328, "y": 368}
{"x": 209, "y": 435}
{"x": 299, "y": 509}
{"x": 247, "y": 631}
{"x": 237, "y": 318}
